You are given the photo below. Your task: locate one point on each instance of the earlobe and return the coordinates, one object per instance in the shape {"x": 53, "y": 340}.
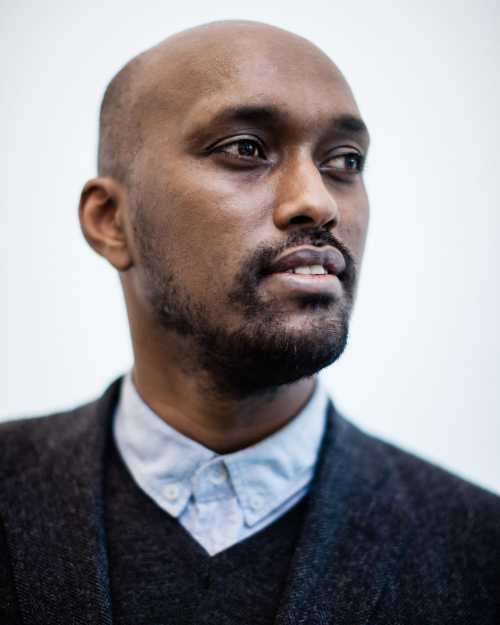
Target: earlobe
{"x": 103, "y": 204}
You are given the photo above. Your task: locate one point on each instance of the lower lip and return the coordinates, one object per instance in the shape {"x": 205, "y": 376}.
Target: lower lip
{"x": 294, "y": 283}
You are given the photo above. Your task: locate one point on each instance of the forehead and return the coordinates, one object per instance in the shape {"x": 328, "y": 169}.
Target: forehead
{"x": 190, "y": 85}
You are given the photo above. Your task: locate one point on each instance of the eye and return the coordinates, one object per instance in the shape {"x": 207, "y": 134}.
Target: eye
{"x": 350, "y": 162}
{"x": 245, "y": 148}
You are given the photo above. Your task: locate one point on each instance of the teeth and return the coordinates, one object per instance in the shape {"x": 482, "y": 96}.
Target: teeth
{"x": 310, "y": 270}
{"x": 304, "y": 271}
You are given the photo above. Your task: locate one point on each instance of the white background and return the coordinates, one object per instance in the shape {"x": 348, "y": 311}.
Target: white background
{"x": 422, "y": 365}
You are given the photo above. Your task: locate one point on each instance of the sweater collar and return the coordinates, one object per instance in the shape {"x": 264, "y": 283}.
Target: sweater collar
{"x": 171, "y": 468}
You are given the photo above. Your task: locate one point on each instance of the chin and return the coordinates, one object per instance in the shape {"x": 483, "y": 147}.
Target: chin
{"x": 314, "y": 320}
{"x": 313, "y": 324}
{"x": 263, "y": 356}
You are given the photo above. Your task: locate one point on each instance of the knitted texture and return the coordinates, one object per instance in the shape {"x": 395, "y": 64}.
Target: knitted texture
{"x": 385, "y": 539}
{"x": 159, "y": 574}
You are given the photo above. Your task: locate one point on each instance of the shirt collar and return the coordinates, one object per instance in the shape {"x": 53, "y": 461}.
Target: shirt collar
{"x": 171, "y": 467}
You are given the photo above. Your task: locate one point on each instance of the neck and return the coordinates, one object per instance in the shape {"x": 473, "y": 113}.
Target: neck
{"x": 224, "y": 425}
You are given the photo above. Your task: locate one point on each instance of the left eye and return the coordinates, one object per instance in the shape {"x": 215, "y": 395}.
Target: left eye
{"x": 350, "y": 162}
{"x": 242, "y": 148}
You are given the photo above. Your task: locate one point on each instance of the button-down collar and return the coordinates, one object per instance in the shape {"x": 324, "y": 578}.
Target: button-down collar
{"x": 171, "y": 468}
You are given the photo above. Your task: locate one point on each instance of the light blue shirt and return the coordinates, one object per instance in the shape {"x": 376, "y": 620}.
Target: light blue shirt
{"x": 219, "y": 499}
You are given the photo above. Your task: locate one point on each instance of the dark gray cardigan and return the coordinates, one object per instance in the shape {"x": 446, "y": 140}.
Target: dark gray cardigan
{"x": 387, "y": 538}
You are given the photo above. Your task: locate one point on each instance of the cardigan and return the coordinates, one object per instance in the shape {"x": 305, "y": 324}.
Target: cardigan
{"x": 387, "y": 538}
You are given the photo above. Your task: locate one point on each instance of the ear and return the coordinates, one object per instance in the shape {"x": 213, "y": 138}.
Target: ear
{"x": 102, "y": 213}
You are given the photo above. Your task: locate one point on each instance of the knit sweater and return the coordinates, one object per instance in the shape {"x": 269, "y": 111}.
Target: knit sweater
{"x": 386, "y": 538}
{"x": 160, "y": 575}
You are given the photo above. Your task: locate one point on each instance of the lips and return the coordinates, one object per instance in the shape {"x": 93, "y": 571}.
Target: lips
{"x": 330, "y": 258}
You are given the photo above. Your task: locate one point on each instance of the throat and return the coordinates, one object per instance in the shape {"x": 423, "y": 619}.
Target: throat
{"x": 220, "y": 424}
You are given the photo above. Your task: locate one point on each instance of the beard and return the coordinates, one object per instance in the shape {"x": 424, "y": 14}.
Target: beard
{"x": 261, "y": 354}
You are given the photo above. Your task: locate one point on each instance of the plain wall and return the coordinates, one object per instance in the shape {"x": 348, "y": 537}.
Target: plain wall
{"x": 421, "y": 368}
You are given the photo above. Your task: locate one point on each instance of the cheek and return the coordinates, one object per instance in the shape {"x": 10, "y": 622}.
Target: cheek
{"x": 353, "y": 226}
{"x": 205, "y": 225}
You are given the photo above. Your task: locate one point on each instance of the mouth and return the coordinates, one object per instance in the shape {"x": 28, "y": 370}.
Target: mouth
{"x": 310, "y": 261}
{"x": 307, "y": 271}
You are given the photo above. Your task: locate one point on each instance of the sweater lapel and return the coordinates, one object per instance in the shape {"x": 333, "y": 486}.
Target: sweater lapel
{"x": 52, "y": 511}
{"x": 352, "y": 535}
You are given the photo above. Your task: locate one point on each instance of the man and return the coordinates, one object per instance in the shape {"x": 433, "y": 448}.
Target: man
{"x": 216, "y": 483}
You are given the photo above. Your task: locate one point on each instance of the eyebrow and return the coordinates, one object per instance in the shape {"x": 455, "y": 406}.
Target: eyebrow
{"x": 269, "y": 115}
{"x": 351, "y": 124}
{"x": 264, "y": 115}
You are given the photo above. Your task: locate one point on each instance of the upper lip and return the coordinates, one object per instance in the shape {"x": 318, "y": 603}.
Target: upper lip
{"x": 330, "y": 257}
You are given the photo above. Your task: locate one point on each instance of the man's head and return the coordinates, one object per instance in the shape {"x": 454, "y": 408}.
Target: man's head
{"x": 230, "y": 156}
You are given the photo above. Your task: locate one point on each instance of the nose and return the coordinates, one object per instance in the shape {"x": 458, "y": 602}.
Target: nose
{"x": 303, "y": 198}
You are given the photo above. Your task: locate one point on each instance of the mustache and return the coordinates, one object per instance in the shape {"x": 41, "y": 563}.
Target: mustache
{"x": 264, "y": 255}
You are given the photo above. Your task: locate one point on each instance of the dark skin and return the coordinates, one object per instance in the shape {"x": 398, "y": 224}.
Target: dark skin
{"x": 214, "y": 182}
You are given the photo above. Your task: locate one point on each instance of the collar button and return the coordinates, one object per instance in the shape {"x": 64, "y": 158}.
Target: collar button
{"x": 256, "y": 502}
{"x": 171, "y": 492}
{"x": 218, "y": 474}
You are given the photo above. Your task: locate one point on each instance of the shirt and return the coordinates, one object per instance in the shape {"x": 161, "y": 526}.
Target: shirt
{"x": 220, "y": 499}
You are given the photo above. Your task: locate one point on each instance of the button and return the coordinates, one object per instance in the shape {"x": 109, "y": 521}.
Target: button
{"x": 171, "y": 492}
{"x": 256, "y": 502}
{"x": 218, "y": 474}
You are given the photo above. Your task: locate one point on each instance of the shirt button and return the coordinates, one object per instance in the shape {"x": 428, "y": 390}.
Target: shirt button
{"x": 218, "y": 474}
{"x": 171, "y": 492}
{"x": 256, "y": 502}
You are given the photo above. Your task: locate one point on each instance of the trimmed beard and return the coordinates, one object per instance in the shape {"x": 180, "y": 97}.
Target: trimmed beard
{"x": 262, "y": 354}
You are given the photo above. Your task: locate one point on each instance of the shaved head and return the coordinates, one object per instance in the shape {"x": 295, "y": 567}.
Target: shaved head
{"x": 221, "y": 149}
{"x": 182, "y": 68}
{"x": 119, "y": 127}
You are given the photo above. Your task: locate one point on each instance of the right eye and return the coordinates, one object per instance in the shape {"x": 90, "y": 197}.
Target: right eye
{"x": 244, "y": 148}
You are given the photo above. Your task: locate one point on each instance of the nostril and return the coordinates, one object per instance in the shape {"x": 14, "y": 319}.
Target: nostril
{"x": 301, "y": 219}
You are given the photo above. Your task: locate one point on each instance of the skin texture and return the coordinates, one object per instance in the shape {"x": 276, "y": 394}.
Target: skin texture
{"x": 193, "y": 204}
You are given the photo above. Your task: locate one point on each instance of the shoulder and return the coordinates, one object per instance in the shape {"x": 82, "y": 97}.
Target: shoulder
{"x": 417, "y": 482}
{"x": 442, "y": 511}
{"x": 444, "y": 529}
{"x": 427, "y": 491}
{"x": 453, "y": 524}
{"x": 29, "y": 442}
{"x": 432, "y": 490}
